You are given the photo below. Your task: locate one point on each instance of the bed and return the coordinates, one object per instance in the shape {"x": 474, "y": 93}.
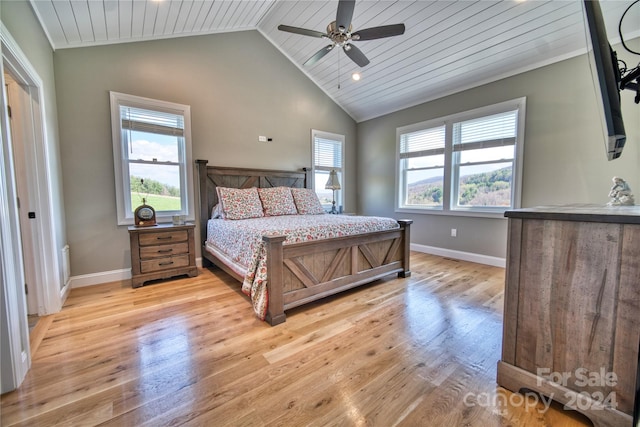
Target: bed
{"x": 295, "y": 271}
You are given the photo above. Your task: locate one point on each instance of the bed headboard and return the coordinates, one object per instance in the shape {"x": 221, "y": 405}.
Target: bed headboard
{"x": 211, "y": 177}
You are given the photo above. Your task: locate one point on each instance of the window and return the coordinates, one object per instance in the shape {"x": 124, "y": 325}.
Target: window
{"x": 152, "y": 157}
{"x": 465, "y": 164}
{"x": 327, "y": 149}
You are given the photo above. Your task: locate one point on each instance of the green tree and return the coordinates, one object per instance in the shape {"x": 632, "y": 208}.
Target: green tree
{"x": 150, "y": 186}
{"x": 436, "y": 195}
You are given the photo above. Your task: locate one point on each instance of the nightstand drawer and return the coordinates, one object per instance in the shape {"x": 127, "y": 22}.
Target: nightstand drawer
{"x": 163, "y": 237}
{"x": 147, "y": 252}
{"x": 158, "y": 264}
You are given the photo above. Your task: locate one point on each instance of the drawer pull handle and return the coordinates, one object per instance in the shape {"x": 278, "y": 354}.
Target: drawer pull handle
{"x": 166, "y": 263}
{"x": 164, "y": 251}
{"x": 164, "y": 238}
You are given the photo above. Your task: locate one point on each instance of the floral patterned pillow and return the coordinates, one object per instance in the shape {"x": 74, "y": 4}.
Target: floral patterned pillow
{"x": 307, "y": 201}
{"x": 240, "y": 203}
{"x": 277, "y": 201}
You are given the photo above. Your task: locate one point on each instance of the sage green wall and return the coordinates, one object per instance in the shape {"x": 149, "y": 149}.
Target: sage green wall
{"x": 564, "y": 159}
{"x": 19, "y": 19}
{"x": 239, "y": 86}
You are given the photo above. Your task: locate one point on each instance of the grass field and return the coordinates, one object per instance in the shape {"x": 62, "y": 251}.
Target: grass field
{"x": 159, "y": 203}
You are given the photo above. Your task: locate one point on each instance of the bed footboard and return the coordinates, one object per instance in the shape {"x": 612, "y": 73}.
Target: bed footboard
{"x": 304, "y": 272}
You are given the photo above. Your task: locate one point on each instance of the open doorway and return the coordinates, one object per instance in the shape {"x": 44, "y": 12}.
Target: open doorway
{"x": 22, "y": 139}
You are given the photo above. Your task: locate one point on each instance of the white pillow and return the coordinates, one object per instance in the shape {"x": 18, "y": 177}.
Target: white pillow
{"x": 217, "y": 212}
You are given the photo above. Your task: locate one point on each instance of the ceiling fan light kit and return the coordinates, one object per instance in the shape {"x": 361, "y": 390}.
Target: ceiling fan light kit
{"x": 341, "y": 35}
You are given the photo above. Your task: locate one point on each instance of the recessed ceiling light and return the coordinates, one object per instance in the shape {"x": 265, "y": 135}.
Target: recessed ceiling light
{"x": 355, "y": 76}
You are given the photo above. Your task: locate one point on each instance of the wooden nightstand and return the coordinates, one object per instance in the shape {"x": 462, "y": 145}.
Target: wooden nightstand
{"x": 162, "y": 251}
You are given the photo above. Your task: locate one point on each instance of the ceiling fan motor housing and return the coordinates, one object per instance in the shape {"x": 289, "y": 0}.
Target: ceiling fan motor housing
{"x": 338, "y": 37}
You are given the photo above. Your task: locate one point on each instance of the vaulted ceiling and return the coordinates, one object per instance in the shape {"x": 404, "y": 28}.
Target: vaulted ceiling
{"x": 448, "y": 45}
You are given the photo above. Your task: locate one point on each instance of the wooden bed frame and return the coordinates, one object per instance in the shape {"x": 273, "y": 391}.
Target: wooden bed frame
{"x": 303, "y": 272}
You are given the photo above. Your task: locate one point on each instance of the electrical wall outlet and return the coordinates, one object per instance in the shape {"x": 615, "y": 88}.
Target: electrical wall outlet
{"x": 262, "y": 139}
{"x": 454, "y": 232}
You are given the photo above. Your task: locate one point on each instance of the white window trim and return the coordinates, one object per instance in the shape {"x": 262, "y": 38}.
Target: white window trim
{"x": 447, "y": 208}
{"x": 335, "y": 137}
{"x": 186, "y": 180}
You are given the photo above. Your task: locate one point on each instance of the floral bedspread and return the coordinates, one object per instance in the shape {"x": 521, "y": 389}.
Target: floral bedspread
{"x": 241, "y": 240}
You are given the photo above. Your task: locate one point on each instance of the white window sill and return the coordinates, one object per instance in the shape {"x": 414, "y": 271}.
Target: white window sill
{"x": 467, "y": 213}
{"x": 160, "y": 219}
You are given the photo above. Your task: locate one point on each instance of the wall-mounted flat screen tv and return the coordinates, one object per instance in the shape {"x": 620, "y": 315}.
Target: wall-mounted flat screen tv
{"x": 606, "y": 77}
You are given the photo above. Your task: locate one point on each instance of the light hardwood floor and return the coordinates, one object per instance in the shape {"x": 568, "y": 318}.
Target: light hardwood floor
{"x": 420, "y": 351}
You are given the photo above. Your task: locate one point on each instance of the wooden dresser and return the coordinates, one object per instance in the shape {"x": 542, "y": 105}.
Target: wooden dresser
{"x": 162, "y": 251}
{"x": 572, "y": 308}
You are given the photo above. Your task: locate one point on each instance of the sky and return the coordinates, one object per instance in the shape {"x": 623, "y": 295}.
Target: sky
{"x": 147, "y": 146}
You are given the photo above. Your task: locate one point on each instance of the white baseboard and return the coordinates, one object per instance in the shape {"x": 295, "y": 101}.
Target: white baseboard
{"x": 107, "y": 276}
{"x": 464, "y": 256}
{"x": 125, "y": 274}
{"x": 99, "y": 278}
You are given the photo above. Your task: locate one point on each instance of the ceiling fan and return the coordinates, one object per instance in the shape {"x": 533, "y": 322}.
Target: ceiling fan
{"x": 339, "y": 32}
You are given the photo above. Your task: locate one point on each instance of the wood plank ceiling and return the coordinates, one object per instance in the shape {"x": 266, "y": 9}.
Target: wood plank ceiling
{"x": 448, "y": 46}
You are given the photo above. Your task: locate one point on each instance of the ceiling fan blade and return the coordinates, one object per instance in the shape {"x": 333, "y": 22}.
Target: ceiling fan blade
{"x": 345, "y": 14}
{"x": 355, "y": 54}
{"x": 302, "y": 31}
{"x": 378, "y": 32}
{"x": 318, "y": 55}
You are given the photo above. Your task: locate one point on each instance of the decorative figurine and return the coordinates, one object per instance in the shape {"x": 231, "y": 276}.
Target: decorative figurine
{"x": 620, "y": 193}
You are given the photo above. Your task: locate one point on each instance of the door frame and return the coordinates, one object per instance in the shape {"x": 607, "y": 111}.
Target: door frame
{"x": 48, "y": 271}
{"x": 14, "y": 330}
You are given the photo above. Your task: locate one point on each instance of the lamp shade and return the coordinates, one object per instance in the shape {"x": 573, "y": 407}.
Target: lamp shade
{"x": 332, "y": 183}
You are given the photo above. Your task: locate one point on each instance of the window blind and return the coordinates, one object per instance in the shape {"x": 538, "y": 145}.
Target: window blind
{"x": 486, "y": 132}
{"x": 425, "y": 142}
{"x": 139, "y": 119}
{"x": 328, "y": 153}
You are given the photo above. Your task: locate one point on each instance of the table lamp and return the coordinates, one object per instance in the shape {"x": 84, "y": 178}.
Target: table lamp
{"x": 333, "y": 184}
